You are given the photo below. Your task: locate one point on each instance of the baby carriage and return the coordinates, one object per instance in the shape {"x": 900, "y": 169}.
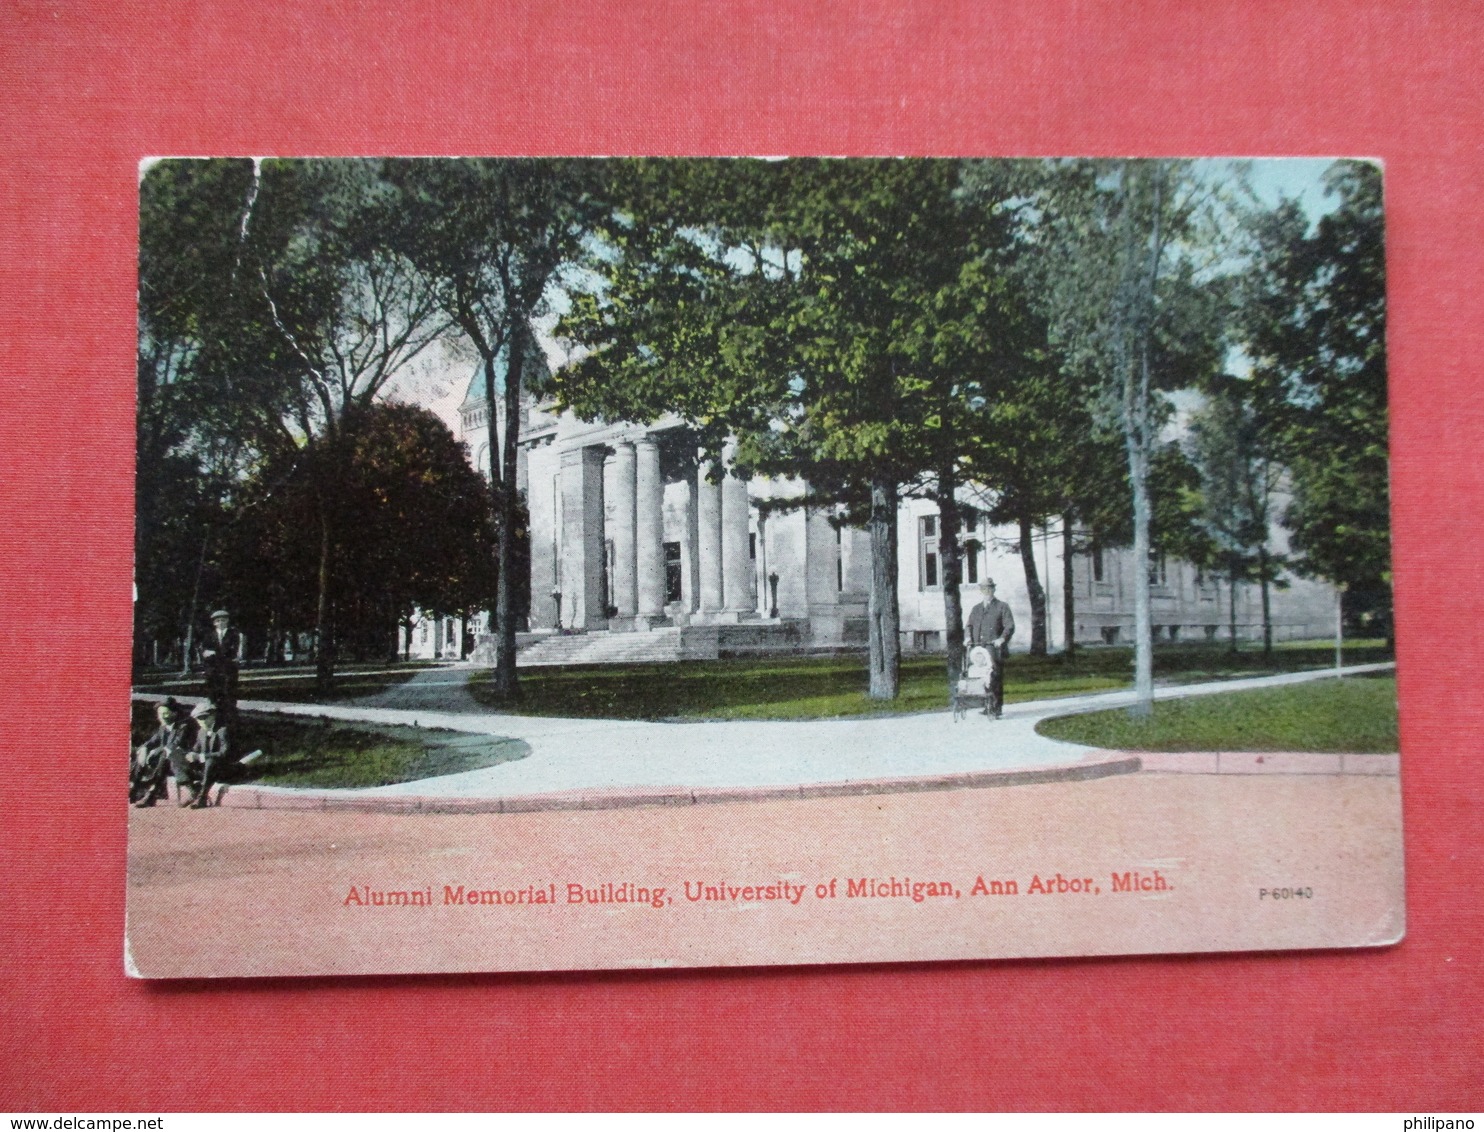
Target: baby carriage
{"x": 972, "y": 688}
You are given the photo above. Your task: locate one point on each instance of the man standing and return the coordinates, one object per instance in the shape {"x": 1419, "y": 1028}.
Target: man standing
{"x": 220, "y": 653}
{"x": 991, "y": 624}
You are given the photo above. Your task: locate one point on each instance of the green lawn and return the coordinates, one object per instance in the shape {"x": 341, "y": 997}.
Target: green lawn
{"x": 289, "y": 685}
{"x": 327, "y": 753}
{"x": 1356, "y": 714}
{"x": 834, "y": 687}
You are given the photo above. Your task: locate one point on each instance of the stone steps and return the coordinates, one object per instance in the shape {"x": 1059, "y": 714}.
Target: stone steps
{"x": 605, "y": 647}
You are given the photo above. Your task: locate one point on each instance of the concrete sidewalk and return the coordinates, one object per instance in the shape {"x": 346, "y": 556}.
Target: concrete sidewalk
{"x": 584, "y": 764}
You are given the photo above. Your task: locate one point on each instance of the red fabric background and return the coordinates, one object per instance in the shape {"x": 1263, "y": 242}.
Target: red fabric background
{"x": 86, "y": 89}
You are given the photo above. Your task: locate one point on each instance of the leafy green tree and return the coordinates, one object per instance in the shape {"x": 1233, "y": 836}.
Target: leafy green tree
{"x": 490, "y": 237}
{"x": 698, "y": 306}
{"x": 413, "y": 531}
{"x": 348, "y": 308}
{"x": 210, "y": 384}
{"x": 1031, "y": 453}
{"x": 1128, "y": 294}
{"x": 813, "y": 309}
{"x": 1239, "y": 476}
{"x": 1314, "y": 318}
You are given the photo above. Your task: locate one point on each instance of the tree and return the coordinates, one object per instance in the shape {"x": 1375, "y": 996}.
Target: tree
{"x": 979, "y": 352}
{"x": 348, "y": 307}
{"x": 1031, "y": 453}
{"x": 800, "y": 306}
{"x": 1238, "y": 478}
{"x": 209, "y": 382}
{"x": 1125, "y": 295}
{"x": 696, "y": 306}
{"x": 489, "y": 237}
{"x": 1314, "y": 317}
{"x": 413, "y": 528}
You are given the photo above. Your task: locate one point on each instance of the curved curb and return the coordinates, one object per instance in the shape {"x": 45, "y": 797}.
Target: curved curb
{"x": 1270, "y": 762}
{"x": 286, "y": 798}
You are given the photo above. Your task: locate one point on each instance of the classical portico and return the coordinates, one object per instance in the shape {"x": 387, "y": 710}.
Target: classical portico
{"x": 652, "y": 532}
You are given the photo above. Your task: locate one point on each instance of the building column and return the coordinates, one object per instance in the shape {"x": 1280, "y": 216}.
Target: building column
{"x": 546, "y": 525}
{"x": 623, "y": 580}
{"x": 690, "y": 577}
{"x": 649, "y": 529}
{"x": 708, "y": 540}
{"x": 582, "y": 538}
{"x": 761, "y": 574}
{"x": 736, "y": 562}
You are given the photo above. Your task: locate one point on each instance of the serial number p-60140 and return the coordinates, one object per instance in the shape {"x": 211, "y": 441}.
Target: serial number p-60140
{"x": 1294, "y": 893}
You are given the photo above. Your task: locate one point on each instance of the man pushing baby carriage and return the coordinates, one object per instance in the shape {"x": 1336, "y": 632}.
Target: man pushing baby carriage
{"x": 991, "y": 625}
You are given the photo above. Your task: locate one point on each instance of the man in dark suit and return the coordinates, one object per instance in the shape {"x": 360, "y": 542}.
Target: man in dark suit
{"x": 152, "y": 764}
{"x": 220, "y": 653}
{"x": 991, "y": 624}
{"x": 200, "y": 767}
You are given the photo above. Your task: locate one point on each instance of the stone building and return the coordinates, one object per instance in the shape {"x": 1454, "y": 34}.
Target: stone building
{"x": 637, "y": 540}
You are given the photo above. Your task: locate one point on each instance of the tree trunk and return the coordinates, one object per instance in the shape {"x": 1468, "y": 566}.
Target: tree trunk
{"x": 1033, "y": 587}
{"x": 884, "y": 635}
{"x": 949, "y": 521}
{"x": 1068, "y": 597}
{"x": 1138, "y": 461}
{"x": 324, "y": 647}
{"x": 1267, "y": 612}
{"x": 508, "y": 503}
{"x": 1231, "y": 605}
{"x": 190, "y": 633}
{"x": 1136, "y": 320}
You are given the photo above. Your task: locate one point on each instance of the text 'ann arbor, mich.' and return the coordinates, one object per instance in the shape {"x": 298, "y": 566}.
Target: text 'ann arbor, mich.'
{"x": 693, "y": 892}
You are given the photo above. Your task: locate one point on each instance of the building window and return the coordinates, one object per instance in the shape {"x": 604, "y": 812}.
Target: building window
{"x": 971, "y": 561}
{"x": 1096, "y": 554}
{"x": 1205, "y": 588}
{"x": 839, "y": 560}
{"x": 1158, "y": 569}
{"x": 672, "y": 571}
{"x": 752, "y": 545}
{"x": 927, "y": 553}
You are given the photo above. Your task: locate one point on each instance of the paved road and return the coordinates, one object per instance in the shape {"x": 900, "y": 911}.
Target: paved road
{"x": 606, "y": 755}
{"x": 264, "y": 892}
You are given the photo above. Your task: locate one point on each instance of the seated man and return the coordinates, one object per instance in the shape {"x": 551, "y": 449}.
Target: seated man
{"x": 199, "y": 769}
{"x": 152, "y": 761}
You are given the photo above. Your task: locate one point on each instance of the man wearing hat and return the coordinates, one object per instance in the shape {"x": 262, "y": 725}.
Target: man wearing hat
{"x": 991, "y": 624}
{"x": 220, "y": 653}
{"x": 152, "y": 761}
{"x": 198, "y": 769}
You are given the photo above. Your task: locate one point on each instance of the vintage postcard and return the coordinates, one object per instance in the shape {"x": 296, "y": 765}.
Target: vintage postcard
{"x": 550, "y": 564}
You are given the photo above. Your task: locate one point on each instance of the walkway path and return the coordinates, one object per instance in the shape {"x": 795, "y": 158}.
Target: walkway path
{"x": 585, "y": 763}
{"x": 444, "y": 688}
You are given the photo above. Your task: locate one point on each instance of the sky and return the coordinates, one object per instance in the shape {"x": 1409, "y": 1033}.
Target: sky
{"x": 1301, "y": 177}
